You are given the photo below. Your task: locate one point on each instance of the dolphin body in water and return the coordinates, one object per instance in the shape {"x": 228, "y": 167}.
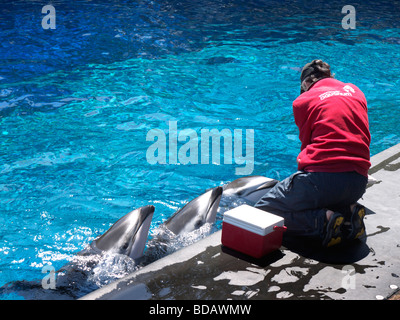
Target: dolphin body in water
{"x": 196, "y": 213}
{"x": 127, "y": 236}
{"x": 185, "y": 226}
{"x": 123, "y": 245}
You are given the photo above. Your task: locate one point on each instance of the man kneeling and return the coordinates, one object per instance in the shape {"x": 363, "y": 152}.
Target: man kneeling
{"x": 320, "y": 200}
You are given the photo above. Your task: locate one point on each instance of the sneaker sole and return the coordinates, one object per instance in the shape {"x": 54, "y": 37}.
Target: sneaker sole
{"x": 361, "y": 215}
{"x": 357, "y": 223}
{"x": 336, "y": 235}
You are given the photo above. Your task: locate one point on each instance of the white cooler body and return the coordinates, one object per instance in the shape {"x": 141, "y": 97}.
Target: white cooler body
{"x": 252, "y": 231}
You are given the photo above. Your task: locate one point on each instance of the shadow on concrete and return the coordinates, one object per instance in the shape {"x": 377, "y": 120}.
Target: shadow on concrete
{"x": 346, "y": 253}
{"x": 369, "y": 212}
{"x": 261, "y": 262}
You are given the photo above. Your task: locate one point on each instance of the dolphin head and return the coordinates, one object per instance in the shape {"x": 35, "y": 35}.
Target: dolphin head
{"x": 250, "y": 188}
{"x": 196, "y": 213}
{"x": 128, "y": 235}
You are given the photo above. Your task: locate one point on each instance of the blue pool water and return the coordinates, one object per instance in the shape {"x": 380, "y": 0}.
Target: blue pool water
{"x": 77, "y": 102}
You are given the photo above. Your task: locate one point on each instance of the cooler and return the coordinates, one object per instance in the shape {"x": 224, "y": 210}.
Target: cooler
{"x": 252, "y": 231}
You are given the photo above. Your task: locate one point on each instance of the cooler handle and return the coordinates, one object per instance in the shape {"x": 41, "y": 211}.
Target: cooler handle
{"x": 280, "y": 228}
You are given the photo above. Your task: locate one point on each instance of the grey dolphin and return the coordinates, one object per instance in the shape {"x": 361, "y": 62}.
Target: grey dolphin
{"x": 250, "y": 188}
{"x": 184, "y": 227}
{"x": 126, "y": 236}
{"x": 196, "y": 213}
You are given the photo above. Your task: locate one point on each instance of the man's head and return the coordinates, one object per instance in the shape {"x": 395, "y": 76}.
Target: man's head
{"x": 313, "y": 72}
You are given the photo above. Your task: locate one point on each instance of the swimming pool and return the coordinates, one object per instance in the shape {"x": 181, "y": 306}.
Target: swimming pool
{"x": 77, "y": 103}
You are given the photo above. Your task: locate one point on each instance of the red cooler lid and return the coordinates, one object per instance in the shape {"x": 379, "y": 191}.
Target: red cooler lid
{"x": 252, "y": 219}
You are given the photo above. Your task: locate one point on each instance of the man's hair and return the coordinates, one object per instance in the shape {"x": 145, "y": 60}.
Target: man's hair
{"x": 315, "y": 71}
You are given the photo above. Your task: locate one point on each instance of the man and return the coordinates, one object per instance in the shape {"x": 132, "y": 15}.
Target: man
{"x": 320, "y": 200}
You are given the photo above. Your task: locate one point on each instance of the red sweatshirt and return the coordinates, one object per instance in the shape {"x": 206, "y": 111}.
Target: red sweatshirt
{"x": 334, "y": 132}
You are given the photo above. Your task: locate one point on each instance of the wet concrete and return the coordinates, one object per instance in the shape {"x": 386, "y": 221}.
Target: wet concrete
{"x": 367, "y": 269}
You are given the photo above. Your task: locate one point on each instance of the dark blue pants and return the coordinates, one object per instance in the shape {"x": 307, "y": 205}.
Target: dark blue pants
{"x": 303, "y": 198}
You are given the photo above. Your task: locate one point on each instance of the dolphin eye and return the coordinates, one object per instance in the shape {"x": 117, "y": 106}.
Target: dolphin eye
{"x": 198, "y": 224}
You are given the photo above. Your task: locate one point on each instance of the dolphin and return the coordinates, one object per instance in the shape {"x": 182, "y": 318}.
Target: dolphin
{"x": 196, "y": 213}
{"x": 126, "y": 236}
{"x": 185, "y": 226}
{"x": 250, "y": 189}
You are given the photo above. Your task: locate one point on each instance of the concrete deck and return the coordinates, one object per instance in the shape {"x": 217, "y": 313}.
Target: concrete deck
{"x": 368, "y": 269}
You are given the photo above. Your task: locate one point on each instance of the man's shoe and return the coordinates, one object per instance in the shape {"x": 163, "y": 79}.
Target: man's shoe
{"x": 333, "y": 230}
{"x": 355, "y": 228}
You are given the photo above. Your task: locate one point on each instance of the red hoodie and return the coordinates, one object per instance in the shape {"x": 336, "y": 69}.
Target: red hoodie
{"x": 334, "y": 133}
